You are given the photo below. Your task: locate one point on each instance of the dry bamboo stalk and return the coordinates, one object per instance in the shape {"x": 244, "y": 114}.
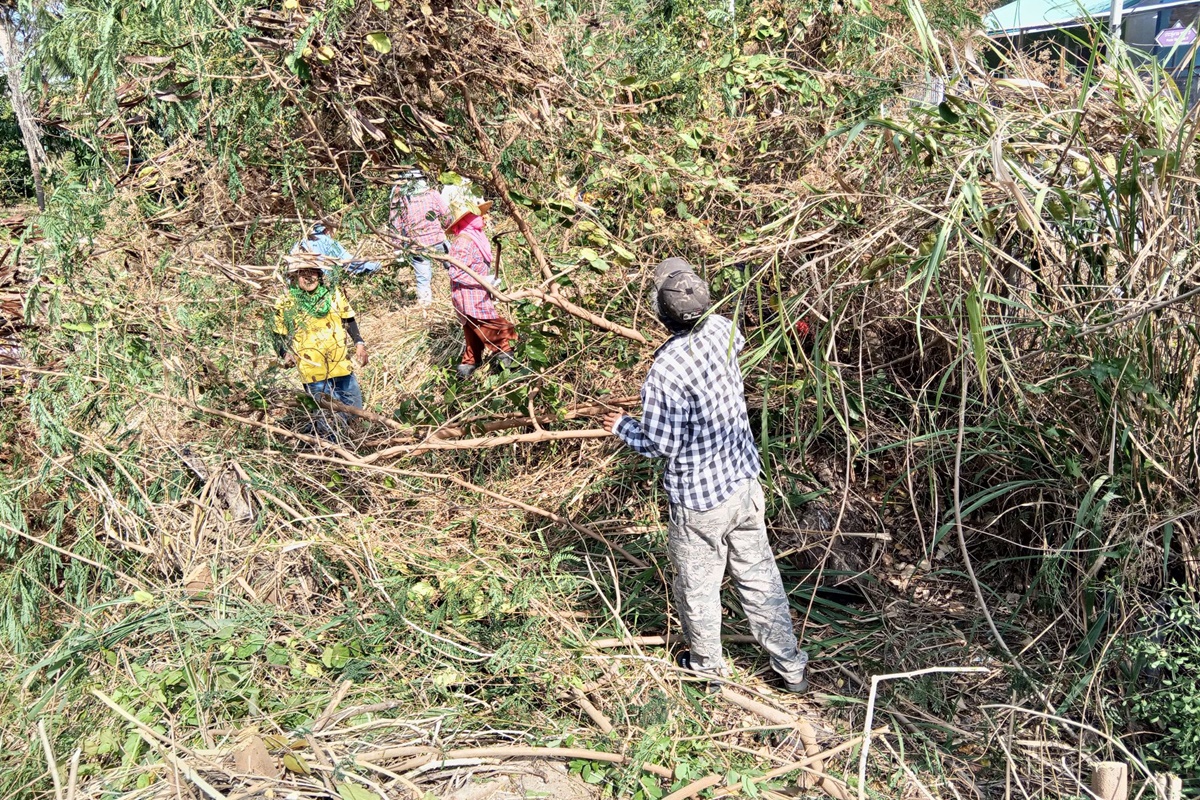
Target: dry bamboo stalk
{"x": 329, "y": 404}
{"x": 803, "y": 729}
{"x": 754, "y": 707}
{"x": 501, "y": 423}
{"x": 824, "y": 755}
{"x": 602, "y": 721}
{"x": 164, "y": 746}
{"x": 73, "y": 774}
{"x": 395, "y": 752}
{"x": 354, "y": 711}
{"x": 326, "y": 715}
{"x": 425, "y": 760}
{"x": 1110, "y": 780}
{"x": 51, "y": 761}
{"x": 546, "y": 297}
{"x": 695, "y": 788}
{"x": 483, "y": 443}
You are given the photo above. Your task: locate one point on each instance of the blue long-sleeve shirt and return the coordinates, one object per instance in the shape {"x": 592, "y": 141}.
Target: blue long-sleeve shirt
{"x": 325, "y": 245}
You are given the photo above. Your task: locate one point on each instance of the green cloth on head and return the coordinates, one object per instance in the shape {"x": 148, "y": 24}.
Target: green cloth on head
{"x": 314, "y": 303}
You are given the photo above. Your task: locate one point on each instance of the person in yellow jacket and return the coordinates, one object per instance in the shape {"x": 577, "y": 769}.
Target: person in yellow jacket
{"x": 314, "y": 325}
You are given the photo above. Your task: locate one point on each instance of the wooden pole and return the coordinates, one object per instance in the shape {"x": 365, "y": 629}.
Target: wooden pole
{"x": 1110, "y": 780}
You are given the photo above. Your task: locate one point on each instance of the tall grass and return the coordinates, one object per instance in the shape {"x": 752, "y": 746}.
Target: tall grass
{"x": 1003, "y": 351}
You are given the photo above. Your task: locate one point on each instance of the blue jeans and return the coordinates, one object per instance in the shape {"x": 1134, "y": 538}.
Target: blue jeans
{"x": 423, "y": 269}
{"x": 344, "y": 389}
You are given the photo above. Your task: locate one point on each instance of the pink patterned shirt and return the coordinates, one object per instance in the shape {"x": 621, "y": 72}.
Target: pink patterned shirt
{"x": 467, "y": 295}
{"x": 419, "y": 217}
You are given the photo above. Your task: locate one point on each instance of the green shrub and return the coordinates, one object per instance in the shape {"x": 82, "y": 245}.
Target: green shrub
{"x": 1166, "y": 660}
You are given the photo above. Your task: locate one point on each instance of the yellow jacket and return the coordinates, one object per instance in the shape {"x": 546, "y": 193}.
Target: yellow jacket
{"x": 319, "y": 343}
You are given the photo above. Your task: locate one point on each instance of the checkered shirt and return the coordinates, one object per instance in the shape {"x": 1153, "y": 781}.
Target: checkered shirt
{"x": 694, "y": 415}
{"x": 467, "y": 295}
{"x": 420, "y": 217}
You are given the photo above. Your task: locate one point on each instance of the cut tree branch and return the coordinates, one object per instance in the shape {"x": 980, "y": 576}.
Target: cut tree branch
{"x": 329, "y": 404}
{"x": 484, "y": 442}
{"x": 546, "y": 297}
{"x": 494, "y": 424}
{"x": 485, "y": 145}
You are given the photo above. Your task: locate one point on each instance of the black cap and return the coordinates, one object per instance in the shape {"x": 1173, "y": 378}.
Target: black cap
{"x": 682, "y": 294}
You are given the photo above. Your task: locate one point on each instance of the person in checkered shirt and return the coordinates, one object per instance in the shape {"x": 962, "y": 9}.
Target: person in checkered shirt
{"x": 694, "y": 416}
{"x": 484, "y": 330}
{"x": 418, "y": 216}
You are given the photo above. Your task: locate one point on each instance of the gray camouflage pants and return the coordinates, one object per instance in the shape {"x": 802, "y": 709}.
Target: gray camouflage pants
{"x": 701, "y": 545}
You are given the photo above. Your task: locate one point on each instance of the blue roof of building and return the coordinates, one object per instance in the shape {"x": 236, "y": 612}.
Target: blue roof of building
{"x": 1023, "y": 15}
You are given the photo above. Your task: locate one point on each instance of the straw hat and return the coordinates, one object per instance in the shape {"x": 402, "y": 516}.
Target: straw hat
{"x": 407, "y": 174}
{"x": 463, "y": 206}
{"x": 294, "y": 263}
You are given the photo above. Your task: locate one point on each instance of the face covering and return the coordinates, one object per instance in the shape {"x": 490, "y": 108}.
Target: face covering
{"x": 315, "y": 303}
{"x": 473, "y": 230}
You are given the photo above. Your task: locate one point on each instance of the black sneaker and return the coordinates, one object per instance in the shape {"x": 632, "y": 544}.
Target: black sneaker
{"x": 503, "y": 362}
{"x": 795, "y": 688}
{"x": 683, "y": 659}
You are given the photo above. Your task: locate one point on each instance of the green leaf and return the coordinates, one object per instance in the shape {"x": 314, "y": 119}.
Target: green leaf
{"x": 622, "y": 252}
{"x": 349, "y": 791}
{"x": 448, "y": 677}
{"x": 382, "y": 5}
{"x": 947, "y": 113}
{"x": 335, "y": 657}
{"x": 380, "y": 41}
{"x": 978, "y": 342}
{"x": 254, "y": 642}
{"x": 295, "y": 763}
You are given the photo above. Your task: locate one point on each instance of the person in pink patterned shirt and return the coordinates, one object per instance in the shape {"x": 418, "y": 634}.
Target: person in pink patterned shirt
{"x": 418, "y": 216}
{"x": 484, "y": 330}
